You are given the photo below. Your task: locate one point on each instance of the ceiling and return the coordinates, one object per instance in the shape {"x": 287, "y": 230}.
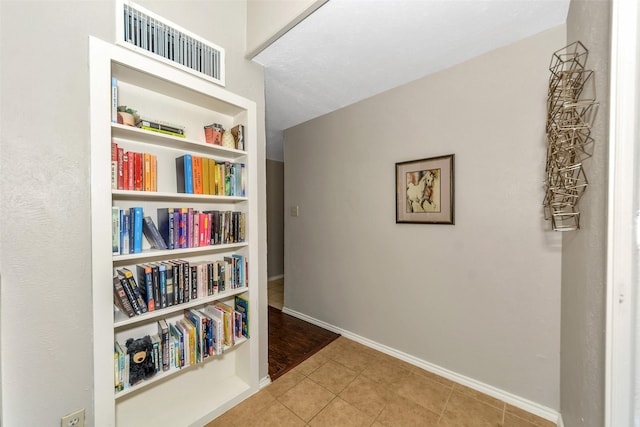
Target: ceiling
{"x": 349, "y": 50}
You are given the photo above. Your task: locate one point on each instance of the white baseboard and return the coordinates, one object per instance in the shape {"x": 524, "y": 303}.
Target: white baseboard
{"x": 280, "y": 276}
{"x": 560, "y": 422}
{"x": 264, "y": 382}
{"x": 512, "y": 399}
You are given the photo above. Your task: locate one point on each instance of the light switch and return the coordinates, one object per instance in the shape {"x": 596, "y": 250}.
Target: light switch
{"x": 293, "y": 211}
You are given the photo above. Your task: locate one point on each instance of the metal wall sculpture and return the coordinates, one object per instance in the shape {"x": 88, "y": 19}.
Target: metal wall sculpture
{"x": 571, "y": 110}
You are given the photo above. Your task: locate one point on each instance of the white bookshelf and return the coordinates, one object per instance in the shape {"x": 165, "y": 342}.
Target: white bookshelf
{"x": 196, "y": 394}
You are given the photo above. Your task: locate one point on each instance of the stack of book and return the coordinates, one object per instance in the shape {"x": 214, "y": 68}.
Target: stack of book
{"x": 133, "y": 171}
{"x": 201, "y": 175}
{"x": 157, "y": 285}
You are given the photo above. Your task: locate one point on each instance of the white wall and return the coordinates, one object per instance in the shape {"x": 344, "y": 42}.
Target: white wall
{"x": 480, "y": 298}
{"x": 46, "y": 351}
{"x": 584, "y": 253}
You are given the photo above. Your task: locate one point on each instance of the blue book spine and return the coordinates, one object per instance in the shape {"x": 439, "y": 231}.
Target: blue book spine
{"x": 125, "y": 232}
{"x": 188, "y": 174}
{"x": 137, "y": 229}
{"x": 114, "y": 100}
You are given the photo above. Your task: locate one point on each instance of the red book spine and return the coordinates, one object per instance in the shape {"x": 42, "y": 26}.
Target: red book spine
{"x": 131, "y": 173}
{"x": 120, "y": 171}
{"x": 125, "y": 171}
{"x": 138, "y": 171}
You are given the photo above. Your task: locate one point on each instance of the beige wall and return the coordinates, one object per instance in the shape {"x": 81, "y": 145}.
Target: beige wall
{"x": 45, "y": 258}
{"x": 275, "y": 218}
{"x": 584, "y": 252}
{"x": 267, "y": 20}
{"x": 480, "y": 298}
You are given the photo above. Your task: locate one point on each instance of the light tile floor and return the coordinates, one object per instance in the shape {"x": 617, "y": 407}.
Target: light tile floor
{"x": 347, "y": 384}
{"x": 275, "y": 293}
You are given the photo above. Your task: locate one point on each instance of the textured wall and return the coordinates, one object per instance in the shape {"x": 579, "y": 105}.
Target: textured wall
{"x": 584, "y": 251}
{"x": 480, "y": 298}
{"x": 45, "y": 233}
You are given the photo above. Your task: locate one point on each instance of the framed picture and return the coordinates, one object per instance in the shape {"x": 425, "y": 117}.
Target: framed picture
{"x": 424, "y": 191}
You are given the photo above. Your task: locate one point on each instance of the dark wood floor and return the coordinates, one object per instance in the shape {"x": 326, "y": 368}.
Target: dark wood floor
{"x": 292, "y": 341}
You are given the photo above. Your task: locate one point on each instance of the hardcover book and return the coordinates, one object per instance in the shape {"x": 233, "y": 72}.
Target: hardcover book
{"x": 152, "y": 234}
{"x": 184, "y": 174}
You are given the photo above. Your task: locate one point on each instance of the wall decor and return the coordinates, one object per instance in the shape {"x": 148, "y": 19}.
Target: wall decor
{"x": 424, "y": 191}
{"x": 571, "y": 110}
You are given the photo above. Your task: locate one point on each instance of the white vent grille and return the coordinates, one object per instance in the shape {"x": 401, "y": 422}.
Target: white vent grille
{"x": 151, "y": 34}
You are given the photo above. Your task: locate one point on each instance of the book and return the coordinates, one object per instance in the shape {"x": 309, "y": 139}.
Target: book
{"x": 145, "y": 280}
{"x": 163, "y": 333}
{"x": 119, "y": 365}
{"x": 136, "y": 225}
{"x": 114, "y": 99}
{"x": 217, "y": 329}
{"x": 121, "y": 299}
{"x": 191, "y": 330}
{"x": 198, "y": 320}
{"x": 128, "y": 275}
{"x": 166, "y": 225}
{"x": 157, "y": 352}
{"x": 166, "y": 132}
{"x": 179, "y": 338}
{"x": 125, "y": 232}
{"x": 162, "y": 274}
{"x": 120, "y": 168}
{"x": 184, "y": 174}
{"x": 115, "y": 230}
{"x": 196, "y": 168}
{"x": 130, "y": 155}
{"x": 241, "y": 303}
{"x": 114, "y": 166}
{"x": 138, "y": 166}
{"x": 129, "y": 292}
{"x": 205, "y": 176}
{"x": 169, "y": 284}
{"x": 164, "y": 126}
{"x": 146, "y": 172}
{"x": 228, "y": 325}
{"x": 125, "y": 171}
{"x": 152, "y": 234}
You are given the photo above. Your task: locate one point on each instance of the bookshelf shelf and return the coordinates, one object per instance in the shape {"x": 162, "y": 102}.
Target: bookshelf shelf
{"x": 174, "y": 142}
{"x": 158, "y": 90}
{"x": 160, "y": 376}
{"x": 174, "y": 197}
{"x": 158, "y": 254}
{"x": 121, "y": 320}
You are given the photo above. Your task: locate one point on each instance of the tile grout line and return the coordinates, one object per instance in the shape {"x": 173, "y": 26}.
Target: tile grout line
{"x": 445, "y": 405}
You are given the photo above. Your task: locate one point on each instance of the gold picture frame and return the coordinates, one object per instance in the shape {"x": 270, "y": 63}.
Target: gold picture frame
{"x": 424, "y": 191}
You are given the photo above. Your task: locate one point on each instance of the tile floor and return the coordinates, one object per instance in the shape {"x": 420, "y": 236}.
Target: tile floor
{"x": 275, "y": 293}
{"x": 347, "y": 384}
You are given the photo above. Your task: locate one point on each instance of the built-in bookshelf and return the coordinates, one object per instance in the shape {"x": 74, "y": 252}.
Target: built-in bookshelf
{"x": 187, "y": 390}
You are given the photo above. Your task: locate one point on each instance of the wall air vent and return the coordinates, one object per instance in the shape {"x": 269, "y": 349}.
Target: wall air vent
{"x": 150, "y": 34}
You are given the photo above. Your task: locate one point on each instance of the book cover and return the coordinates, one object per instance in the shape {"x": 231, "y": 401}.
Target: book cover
{"x": 197, "y": 319}
{"x": 157, "y": 352}
{"x": 196, "y": 163}
{"x": 155, "y": 280}
{"x": 146, "y": 172}
{"x": 242, "y": 307}
{"x": 217, "y": 321}
{"x": 114, "y": 166}
{"x": 205, "y": 176}
{"x": 131, "y": 172}
{"x": 136, "y": 225}
{"x": 152, "y": 234}
{"x": 138, "y": 171}
{"x": 121, "y": 299}
{"x": 195, "y": 352}
{"x": 166, "y": 132}
{"x": 115, "y": 230}
{"x": 125, "y": 232}
{"x": 128, "y": 275}
{"x": 162, "y": 273}
{"x": 125, "y": 171}
{"x": 184, "y": 330}
{"x": 228, "y": 322}
{"x": 145, "y": 280}
{"x": 158, "y": 125}
{"x": 165, "y": 226}
{"x": 169, "y": 284}
{"x": 184, "y": 174}
{"x": 179, "y": 337}
{"x": 126, "y": 286}
{"x": 114, "y": 99}
{"x": 120, "y": 168}
{"x": 163, "y": 332}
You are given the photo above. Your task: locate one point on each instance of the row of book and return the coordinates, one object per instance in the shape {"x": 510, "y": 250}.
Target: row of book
{"x": 157, "y": 285}
{"x": 200, "y": 334}
{"x": 201, "y": 175}
{"x": 132, "y": 170}
{"x": 177, "y": 228}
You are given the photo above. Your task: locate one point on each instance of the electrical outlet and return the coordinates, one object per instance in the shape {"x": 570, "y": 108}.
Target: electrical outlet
{"x": 74, "y": 419}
